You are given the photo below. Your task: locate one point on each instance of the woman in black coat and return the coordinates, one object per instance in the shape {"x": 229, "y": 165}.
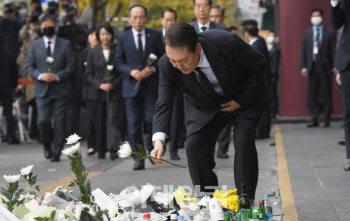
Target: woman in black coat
{"x": 105, "y": 94}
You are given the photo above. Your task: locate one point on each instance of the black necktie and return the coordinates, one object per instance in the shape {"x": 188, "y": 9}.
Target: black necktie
{"x": 204, "y": 28}
{"x": 206, "y": 85}
{"x": 49, "y": 49}
{"x": 140, "y": 49}
{"x": 318, "y": 42}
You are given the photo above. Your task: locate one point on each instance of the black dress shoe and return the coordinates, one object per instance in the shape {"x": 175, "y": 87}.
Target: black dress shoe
{"x": 55, "y": 159}
{"x": 13, "y": 140}
{"x": 47, "y": 154}
{"x": 113, "y": 155}
{"x": 342, "y": 143}
{"x": 174, "y": 156}
{"x": 347, "y": 167}
{"x": 259, "y": 137}
{"x": 312, "y": 125}
{"x": 152, "y": 162}
{"x": 222, "y": 155}
{"x": 91, "y": 151}
{"x": 139, "y": 165}
{"x": 101, "y": 156}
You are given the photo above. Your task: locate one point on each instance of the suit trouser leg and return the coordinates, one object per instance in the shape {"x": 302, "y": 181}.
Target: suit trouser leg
{"x": 114, "y": 138}
{"x": 90, "y": 109}
{"x": 345, "y": 86}
{"x": 264, "y": 126}
{"x": 60, "y": 106}
{"x": 133, "y": 108}
{"x": 177, "y": 125}
{"x": 6, "y": 100}
{"x": 44, "y": 106}
{"x": 326, "y": 93}
{"x": 246, "y": 168}
{"x": 224, "y": 139}
{"x": 100, "y": 127}
{"x": 149, "y": 103}
{"x": 313, "y": 90}
{"x": 200, "y": 148}
{"x": 274, "y": 98}
{"x": 75, "y": 103}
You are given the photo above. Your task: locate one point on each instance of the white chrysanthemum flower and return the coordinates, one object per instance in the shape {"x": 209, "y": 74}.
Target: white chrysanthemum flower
{"x": 72, "y": 139}
{"x": 32, "y": 205}
{"x": 112, "y": 196}
{"x": 113, "y": 210}
{"x": 44, "y": 211}
{"x": 149, "y": 188}
{"x": 85, "y": 63}
{"x": 109, "y": 67}
{"x": 71, "y": 150}
{"x": 125, "y": 150}
{"x": 193, "y": 206}
{"x": 198, "y": 217}
{"x": 50, "y": 60}
{"x": 26, "y": 170}
{"x": 125, "y": 203}
{"x": 12, "y": 179}
{"x": 153, "y": 56}
{"x": 204, "y": 201}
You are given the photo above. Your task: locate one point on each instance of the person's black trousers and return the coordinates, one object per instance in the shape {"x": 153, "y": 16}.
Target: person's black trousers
{"x": 200, "y": 148}
{"x": 264, "y": 127}
{"x": 6, "y": 102}
{"x": 34, "y": 130}
{"x": 224, "y": 139}
{"x": 345, "y": 87}
{"x": 75, "y": 103}
{"x": 90, "y": 107}
{"x": 177, "y": 129}
{"x": 274, "y": 98}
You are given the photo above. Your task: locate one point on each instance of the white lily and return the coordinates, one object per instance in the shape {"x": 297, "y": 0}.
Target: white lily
{"x": 109, "y": 67}
{"x": 71, "y": 150}
{"x": 125, "y": 150}
{"x": 26, "y": 170}
{"x": 153, "y": 56}
{"x": 12, "y": 179}
{"x": 72, "y": 139}
{"x": 50, "y": 60}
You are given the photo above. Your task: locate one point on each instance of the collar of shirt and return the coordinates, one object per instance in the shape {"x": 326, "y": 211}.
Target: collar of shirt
{"x": 135, "y": 33}
{"x": 203, "y": 61}
{"x": 251, "y": 42}
{"x": 52, "y": 40}
{"x": 319, "y": 27}
{"x": 164, "y": 32}
{"x": 136, "y": 37}
{"x": 201, "y": 25}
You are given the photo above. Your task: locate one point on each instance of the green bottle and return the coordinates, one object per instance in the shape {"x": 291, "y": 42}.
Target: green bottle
{"x": 227, "y": 216}
{"x": 263, "y": 215}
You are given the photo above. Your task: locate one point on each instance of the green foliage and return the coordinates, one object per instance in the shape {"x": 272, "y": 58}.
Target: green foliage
{"x": 12, "y": 194}
{"x": 32, "y": 180}
{"x": 51, "y": 218}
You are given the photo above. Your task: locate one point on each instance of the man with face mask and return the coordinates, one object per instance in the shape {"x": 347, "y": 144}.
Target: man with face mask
{"x": 317, "y": 56}
{"x": 51, "y": 87}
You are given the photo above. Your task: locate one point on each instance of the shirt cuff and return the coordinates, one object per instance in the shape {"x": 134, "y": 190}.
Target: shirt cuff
{"x": 335, "y": 3}
{"x": 58, "y": 79}
{"x": 159, "y": 136}
{"x": 40, "y": 75}
{"x": 154, "y": 69}
{"x": 304, "y": 69}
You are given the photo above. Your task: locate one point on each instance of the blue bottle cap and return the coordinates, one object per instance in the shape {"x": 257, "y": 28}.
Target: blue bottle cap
{"x": 172, "y": 191}
{"x": 180, "y": 217}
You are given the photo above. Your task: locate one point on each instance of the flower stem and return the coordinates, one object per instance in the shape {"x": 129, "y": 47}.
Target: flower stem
{"x": 137, "y": 85}
{"x": 166, "y": 161}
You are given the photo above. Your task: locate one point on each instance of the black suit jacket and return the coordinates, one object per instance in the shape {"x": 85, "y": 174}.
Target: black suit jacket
{"x": 212, "y": 25}
{"x": 260, "y": 46}
{"x": 239, "y": 69}
{"x": 275, "y": 58}
{"x": 341, "y": 17}
{"x": 9, "y": 70}
{"x": 326, "y": 51}
{"x": 95, "y": 75}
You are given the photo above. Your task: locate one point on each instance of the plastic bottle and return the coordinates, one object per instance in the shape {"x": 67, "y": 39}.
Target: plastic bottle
{"x": 173, "y": 217}
{"x": 268, "y": 207}
{"x": 146, "y": 217}
{"x": 180, "y": 218}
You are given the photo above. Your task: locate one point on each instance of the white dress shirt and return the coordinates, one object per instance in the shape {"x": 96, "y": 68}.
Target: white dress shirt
{"x": 204, "y": 65}
{"x": 251, "y": 42}
{"x": 106, "y": 54}
{"x": 334, "y": 3}
{"x": 136, "y": 38}
{"x": 52, "y": 45}
{"x": 163, "y": 32}
{"x": 201, "y": 25}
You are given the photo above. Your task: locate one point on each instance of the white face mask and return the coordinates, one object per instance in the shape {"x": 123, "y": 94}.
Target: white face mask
{"x": 270, "y": 39}
{"x": 316, "y": 21}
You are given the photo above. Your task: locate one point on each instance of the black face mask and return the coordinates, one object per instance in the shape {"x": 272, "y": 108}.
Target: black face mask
{"x": 49, "y": 31}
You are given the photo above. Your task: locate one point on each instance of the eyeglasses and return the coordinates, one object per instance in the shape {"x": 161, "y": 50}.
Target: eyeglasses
{"x": 205, "y": 5}
{"x": 215, "y": 16}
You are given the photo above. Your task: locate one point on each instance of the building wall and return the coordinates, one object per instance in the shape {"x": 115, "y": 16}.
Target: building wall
{"x": 294, "y": 20}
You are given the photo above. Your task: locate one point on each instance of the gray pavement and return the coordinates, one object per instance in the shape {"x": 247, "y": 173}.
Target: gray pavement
{"x": 315, "y": 162}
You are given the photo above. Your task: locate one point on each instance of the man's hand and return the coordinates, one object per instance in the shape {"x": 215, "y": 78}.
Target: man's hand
{"x": 158, "y": 151}
{"x": 304, "y": 73}
{"x": 337, "y": 79}
{"x": 48, "y": 77}
{"x": 230, "y": 106}
{"x": 147, "y": 72}
{"x": 106, "y": 87}
{"x": 136, "y": 74}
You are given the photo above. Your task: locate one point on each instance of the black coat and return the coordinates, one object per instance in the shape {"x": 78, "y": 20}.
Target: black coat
{"x": 9, "y": 70}
{"x": 95, "y": 75}
{"x": 239, "y": 69}
{"x": 275, "y": 59}
{"x": 326, "y": 50}
{"x": 340, "y": 17}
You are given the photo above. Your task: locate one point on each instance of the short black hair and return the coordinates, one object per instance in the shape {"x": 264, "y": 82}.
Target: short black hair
{"x": 222, "y": 10}
{"x": 232, "y": 28}
{"x": 252, "y": 30}
{"x": 320, "y": 10}
{"x": 108, "y": 28}
{"x": 250, "y": 22}
{"x": 47, "y": 18}
{"x": 53, "y": 4}
{"x": 90, "y": 31}
{"x": 138, "y": 5}
{"x": 181, "y": 34}
{"x": 209, "y": 1}
{"x": 169, "y": 10}
{"x": 35, "y": 2}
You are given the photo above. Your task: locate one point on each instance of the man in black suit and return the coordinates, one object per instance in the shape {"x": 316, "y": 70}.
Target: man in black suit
{"x": 341, "y": 17}
{"x": 251, "y": 34}
{"x": 317, "y": 56}
{"x": 217, "y": 14}
{"x": 52, "y": 86}
{"x": 8, "y": 82}
{"x": 221, "y": 85}
{"x": 133, "y": 50}
{"x": 202, "y": 11}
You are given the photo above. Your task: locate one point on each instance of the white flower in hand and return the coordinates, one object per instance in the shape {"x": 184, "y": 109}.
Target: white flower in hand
{"x": 71, "y": 150}
{"x": 72, "y": 139}
{"x": 12, "y": 179}
{"x": 26, "y": 170}
{"x": 125, "y": 150}
{"x": 109, "y": 67}
{"x": 153, "y": 56}
{"x": 50, "y": 60}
